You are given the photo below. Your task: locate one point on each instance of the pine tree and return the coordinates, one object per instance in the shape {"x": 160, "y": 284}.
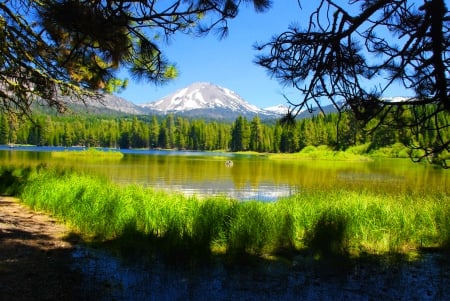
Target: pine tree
{"x": 4, "y": 129}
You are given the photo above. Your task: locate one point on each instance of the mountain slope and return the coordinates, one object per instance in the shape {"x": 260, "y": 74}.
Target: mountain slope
{"x": 207, "y": 100}
{"x": 105, "y": 104}
{"x": 116, "y": 103}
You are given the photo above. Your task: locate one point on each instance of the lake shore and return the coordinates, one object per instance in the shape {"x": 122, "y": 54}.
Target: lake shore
{"x": 38, "y": 263}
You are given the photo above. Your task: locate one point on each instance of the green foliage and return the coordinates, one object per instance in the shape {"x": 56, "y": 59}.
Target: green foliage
{"x": 358, "y": 149}
{"x": 240, "y": 134}
{"x": 171, "y": 72}
{"x": 4, "y": 129}
{"x": 116, "y": 85}
{"x": 396, "y": 150}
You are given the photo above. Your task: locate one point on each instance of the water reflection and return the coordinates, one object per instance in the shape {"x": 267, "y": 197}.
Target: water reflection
{"x": 109, "y": 278}
{"x": 261, "y": 193}
{"x": 249, "y": 177}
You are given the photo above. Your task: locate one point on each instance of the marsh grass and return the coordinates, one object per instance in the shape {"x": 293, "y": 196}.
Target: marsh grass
{"x": 321, "y": 152}
{"x": 321, "y": 223}
{"x": 88, "y": 154}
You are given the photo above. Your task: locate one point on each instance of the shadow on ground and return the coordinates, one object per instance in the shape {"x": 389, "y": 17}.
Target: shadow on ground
{"x": 35, "y": 259}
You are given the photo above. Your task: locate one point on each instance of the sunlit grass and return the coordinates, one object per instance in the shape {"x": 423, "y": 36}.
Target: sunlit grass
{"x": 322, "y": 152}
{"x": 322, "y": 223}
{"x": 373, "y": 223}
{"x": 90, "y": 154}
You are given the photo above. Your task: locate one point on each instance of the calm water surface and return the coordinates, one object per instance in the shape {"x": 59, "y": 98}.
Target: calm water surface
{"x": 249, "y": 177}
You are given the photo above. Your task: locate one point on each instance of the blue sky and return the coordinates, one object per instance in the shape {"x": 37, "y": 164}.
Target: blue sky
{"x": 229, "y": 62}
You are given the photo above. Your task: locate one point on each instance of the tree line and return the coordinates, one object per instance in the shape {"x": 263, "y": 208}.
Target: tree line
{"x": 338, "y": 131}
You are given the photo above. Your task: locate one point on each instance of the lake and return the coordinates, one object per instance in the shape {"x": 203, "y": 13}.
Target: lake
{"x": 248, "y": 177}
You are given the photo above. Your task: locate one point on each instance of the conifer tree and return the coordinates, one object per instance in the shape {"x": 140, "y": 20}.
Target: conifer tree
{"x": 351, "y": 55}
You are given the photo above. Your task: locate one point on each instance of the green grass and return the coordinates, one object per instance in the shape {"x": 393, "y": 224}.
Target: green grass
{"x": 321, "y": 152}
{"x": 321, "y": 223}
{"x": 90, "y": 153}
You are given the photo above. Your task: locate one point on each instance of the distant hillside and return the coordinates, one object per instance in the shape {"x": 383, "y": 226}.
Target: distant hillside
{"x": 118, "y": 104}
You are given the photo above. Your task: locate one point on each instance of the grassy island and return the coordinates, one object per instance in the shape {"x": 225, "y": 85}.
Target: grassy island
{"x": 89, "y": 154}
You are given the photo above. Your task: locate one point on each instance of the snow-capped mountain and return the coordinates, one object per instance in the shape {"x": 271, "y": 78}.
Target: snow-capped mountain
{"x": 207, "y": 100}
{"x": 279, "y": 109}
{"x": 200, "y": 96}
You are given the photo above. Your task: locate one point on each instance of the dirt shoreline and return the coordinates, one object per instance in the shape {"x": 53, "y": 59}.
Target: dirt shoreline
{"x": 35, "y": 256}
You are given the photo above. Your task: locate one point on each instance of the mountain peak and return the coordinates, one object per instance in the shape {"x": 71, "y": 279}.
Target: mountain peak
{"x": 200, "y": 97}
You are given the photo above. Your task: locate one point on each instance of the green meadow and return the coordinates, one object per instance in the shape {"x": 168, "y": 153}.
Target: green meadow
{"x": 321, "y": 223}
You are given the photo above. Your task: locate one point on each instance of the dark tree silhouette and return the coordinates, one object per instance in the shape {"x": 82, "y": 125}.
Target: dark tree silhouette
{"x": 74, "y": 48}
{"x": 353, "y": 55}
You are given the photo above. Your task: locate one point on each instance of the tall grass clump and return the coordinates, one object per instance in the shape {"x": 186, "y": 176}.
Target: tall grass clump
{"x": 88, "y": 204}
{"x": 353, "y": 223}
{"x": 259, "y": 228}
{"x": 324, "y": 224}
{"x": 88, "y": 154}
{"x": 211, "y": 224}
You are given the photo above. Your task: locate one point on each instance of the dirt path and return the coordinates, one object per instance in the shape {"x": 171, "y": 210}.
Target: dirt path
{"x": 35, "y": 257}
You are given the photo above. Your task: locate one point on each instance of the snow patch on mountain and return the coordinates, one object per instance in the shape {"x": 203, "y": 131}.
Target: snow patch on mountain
{"x": 398, "y": 99}
{"x": 204, "y": 96}
{"x": 278, "y": 109}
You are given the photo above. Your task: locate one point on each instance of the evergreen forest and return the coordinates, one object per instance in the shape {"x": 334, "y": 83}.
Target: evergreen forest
{"x": 338, "y": 131}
